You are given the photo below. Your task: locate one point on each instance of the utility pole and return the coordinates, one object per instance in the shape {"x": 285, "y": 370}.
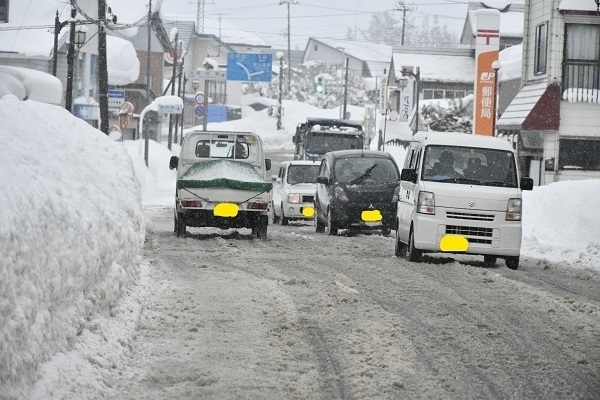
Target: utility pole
{"x": 172, "y": 118}
{"x": 70, "y": 63}
{"x": 346, "y": 89}
{"x": 102, "y": 67}
{"x": 400, "y": 6}
{"x": 289, "y": 74}
{"x": 148, "y": 64}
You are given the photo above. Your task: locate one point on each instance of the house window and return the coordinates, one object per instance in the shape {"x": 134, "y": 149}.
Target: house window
{"x": 316, "y": 47}
{"x": 581, "y": 64}
{"x": 438, "y": 94}
{"x": 579, "y": 154}
{"x": 449, "y": 94}
{"x": 427, "y": 94}
{"x": 541, "y": 48}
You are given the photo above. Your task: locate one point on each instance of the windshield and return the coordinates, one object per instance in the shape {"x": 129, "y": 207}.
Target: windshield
{"x": 469, "y": 165}
{"x": 302, "y": 174}
{"x": 322, "y": 142}
{"x": 356, "y": 170}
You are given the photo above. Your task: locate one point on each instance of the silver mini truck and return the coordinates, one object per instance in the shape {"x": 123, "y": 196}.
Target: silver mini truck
{"x": 221, "y": 182}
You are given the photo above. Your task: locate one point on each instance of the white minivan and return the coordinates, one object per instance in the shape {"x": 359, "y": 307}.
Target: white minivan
{"x": 460, "y": 193}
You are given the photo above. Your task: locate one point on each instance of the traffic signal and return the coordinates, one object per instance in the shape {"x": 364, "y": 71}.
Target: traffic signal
{"x": 319, "y": 87}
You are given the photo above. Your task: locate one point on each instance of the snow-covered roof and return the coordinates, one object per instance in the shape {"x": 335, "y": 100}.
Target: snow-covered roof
{"x": 30, "y": 84}
{"x": 578, "y": 5}
{"x": 222, "y": 29}
{"x": 437, "y": 67}
{"x": 510, "y": 63}
{"x": 364, "y": 51}
{"x": 30, "y": 29}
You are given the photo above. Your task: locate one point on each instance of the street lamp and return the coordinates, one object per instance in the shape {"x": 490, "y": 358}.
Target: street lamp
{"x": 496, "y": 67}
{"x": 279, "y": 55}
{"x": 416, "y": 74}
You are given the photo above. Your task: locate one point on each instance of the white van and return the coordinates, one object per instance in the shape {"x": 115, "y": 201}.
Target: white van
{"x": 460, "y": 193}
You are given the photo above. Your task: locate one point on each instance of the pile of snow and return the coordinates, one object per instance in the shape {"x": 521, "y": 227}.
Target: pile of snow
{"x": 71, "y": 233}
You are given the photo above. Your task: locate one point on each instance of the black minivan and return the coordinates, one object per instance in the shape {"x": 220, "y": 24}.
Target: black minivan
{"x": 357, "y": 189}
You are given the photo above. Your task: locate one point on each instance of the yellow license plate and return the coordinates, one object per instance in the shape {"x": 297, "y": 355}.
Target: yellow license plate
{"x": 226, "y": 210}
{"x": 371, "y": 216}
{"x": 454, "y": 243}
{"x": 308, "y": 211}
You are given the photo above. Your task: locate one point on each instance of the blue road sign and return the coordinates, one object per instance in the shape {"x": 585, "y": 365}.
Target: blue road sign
{"x": 249, "y": 67}
{"x": 200, "y": 111}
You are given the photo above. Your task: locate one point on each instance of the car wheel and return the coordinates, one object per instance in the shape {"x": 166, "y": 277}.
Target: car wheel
{"x": 491, "y": 260}
{"x": 284, "y": 220}
{"x": 332, "y": 228}
{"x": 259, "y": 228}
{"x": 385, "y": 231}
{"x": 180, "y": 228}
{"x": 413, "y": 254}
{"x": 512, "y": 262}
{"x": 319, "y": 226}
{"x": 399, "y": 247}
{"x": 276, "y": 218}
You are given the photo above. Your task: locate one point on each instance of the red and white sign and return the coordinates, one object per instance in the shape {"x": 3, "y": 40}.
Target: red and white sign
{"x": 487, "y": 47}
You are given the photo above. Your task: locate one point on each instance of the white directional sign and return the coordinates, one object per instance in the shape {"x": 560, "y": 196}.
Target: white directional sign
{"x": 211, "y": 74}
{"x": 115, "y": 98}
{"x": 170, "y": 108}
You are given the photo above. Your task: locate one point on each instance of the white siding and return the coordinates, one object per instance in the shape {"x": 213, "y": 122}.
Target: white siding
{"x": 579, "y": 119}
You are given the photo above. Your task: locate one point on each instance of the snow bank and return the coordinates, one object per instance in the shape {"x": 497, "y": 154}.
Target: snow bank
{"x": 71, "y": 232}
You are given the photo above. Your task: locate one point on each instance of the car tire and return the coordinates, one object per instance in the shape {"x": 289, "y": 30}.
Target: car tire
{"x": 259, "y": 230}
{"x": 413, "y": 254}
{"x": 490, "y": 260}
{"x": 319, "y": 226}
{"x": 276, "y": 218}
{"x": 284, "y": 221}
{"x": 385, "y": 231}
{"x": 332, "y": 228}
{"x": 512, "y": 262}
{"x": 180, "y": 228}
{"x": 399, "y": 247}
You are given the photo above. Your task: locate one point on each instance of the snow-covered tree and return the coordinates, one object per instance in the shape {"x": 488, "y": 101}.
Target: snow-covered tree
{"x": 454, "y": 116}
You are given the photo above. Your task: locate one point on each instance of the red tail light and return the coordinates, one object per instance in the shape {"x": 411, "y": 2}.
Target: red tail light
{"x": 257, "y": 206}
{"x": 190, "y": 203}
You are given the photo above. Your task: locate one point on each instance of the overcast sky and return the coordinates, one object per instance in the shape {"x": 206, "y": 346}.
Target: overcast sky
{"x": 318, "y": 18}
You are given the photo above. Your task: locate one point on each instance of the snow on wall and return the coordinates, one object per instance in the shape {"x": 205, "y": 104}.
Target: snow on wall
{"x": 71, "y": 232}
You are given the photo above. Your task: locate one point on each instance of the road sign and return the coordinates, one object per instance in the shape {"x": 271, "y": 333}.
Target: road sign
{"x": 170, "y": 108}
{"x": 249, "y": 67}
{"x": 209, "y": 74}
{"x": 115, "y": 98}
{"x": 199, "y": 98}
{"x": 125, "y": 114}
{"x": 200, "y": 111}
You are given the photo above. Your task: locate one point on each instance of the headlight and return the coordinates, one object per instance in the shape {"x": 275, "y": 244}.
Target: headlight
{"x": 293, "y": 198}
{"x": 426, "y": 203}
{"x": 339, "y": 194}
{"x": 513, "y": 210}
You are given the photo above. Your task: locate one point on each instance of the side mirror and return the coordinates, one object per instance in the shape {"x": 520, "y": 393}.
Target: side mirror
{"x": 323, "y": 179}
{"x": 268, "y": 164}
{"x": 526, "y": 184}
{"x": 173, "y": 162}
{"x": 409, "y": 175}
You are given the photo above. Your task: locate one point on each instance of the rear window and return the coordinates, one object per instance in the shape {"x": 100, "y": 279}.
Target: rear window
{"x": 367, "y": 169}
{"x": 302, "y": 174}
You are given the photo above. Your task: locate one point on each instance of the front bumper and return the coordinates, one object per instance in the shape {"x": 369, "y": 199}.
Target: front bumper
{"x": 350, "y": 215}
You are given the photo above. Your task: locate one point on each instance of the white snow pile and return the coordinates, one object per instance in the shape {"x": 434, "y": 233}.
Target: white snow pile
{"x": 71, "y": 233}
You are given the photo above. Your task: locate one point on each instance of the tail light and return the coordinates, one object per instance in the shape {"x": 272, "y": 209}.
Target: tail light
{"x": 191, "y": 203}
{"x": 257, "y": 206}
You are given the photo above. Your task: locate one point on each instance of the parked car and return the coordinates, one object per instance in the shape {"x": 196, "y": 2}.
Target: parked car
{"x": 460, "y": 193}
{"x": 294, "y": 191}
{"x": 357, "y": 189}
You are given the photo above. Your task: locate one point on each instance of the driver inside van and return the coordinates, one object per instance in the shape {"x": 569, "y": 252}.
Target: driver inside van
{"x": 445, "y": 166}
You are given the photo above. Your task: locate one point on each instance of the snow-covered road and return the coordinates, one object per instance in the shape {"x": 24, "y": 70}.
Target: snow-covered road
{"x": 307, "y": 316}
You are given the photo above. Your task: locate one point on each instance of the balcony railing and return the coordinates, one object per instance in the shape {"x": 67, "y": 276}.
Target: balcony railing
{"x": 581, "y": 82}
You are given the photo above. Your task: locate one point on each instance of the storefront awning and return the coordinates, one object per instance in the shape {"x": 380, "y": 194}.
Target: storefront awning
{"x": 535, "y": 107}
